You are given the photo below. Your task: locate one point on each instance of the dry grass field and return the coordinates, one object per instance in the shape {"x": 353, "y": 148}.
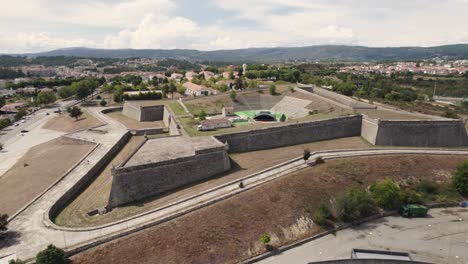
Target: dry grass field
{"x": 243, "y": 164}
{"x": 65, "y": 123}
{"x": 229, "y": 231}
{"x": 37, "y": 169}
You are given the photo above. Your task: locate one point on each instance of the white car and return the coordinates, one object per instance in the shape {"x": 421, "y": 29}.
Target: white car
{"x": 23, "y": 121}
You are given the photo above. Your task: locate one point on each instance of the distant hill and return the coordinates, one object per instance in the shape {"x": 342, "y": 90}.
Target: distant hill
{"x": 326, "y": 52}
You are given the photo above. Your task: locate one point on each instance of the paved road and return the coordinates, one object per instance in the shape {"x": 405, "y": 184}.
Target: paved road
{"x": 439, "y": 238}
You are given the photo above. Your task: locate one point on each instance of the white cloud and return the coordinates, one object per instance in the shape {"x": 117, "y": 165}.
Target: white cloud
{"x": 157, "y": 24}
{"x": 33, "y": 42}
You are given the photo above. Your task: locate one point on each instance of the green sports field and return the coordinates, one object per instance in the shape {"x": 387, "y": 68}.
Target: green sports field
{"x": 250, "y": 114}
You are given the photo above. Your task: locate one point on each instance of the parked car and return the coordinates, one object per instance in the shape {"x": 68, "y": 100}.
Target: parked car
{"x": 464, "y": 204}
{"x": 16, "y": 124}
{"x": 24, "y": 131}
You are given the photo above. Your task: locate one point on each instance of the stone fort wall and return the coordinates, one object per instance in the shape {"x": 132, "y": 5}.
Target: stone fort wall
{"x": 294, "y": 134}
{"x": 134, "y": 183}
{"x": 422, "y": 133}
{"x": 143, "y": 113}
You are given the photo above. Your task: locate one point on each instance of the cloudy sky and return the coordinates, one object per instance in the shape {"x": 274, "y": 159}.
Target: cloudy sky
{"x": 39, "y": 25}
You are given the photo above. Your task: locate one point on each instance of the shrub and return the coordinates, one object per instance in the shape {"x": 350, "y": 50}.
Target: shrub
{"x": 3, "y": 222}
{"x": 51, "y": 255}
{"x": 265, "y": 240}
{"x": 306, "y": 154}
{"x": 272, "y": 89}
{"x": 98, "y": 97}
{"x": 323, "y": 215}
{"x": 103, "y": 103}
{"x": 355, "y": 204}
{"x": 233, "y": 95}
{"x": 283, "y": 118}
{"x": 75, "y": 112}
{"x": 427, "y": 187}
{"x": 16, "y": 261}
{"x": 411, "y": 197}
{"x": 460, "y": 179}
{"x": 319, "y": 160}
{"x": 387, "y": 194}
{"x": 202, "y": 115}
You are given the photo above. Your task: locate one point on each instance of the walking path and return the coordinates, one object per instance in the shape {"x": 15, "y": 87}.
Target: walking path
{"x": 35, "y": 231}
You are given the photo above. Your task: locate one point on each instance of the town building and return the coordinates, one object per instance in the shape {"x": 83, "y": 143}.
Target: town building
{"x": 195, "y": 89}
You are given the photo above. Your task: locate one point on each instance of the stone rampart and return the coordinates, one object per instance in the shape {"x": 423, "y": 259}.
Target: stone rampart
{"x": 134, "y": 183}
{"x": 275, "y": 137}
{"x": 369, "y": 129}
{"x": 89, "y": 177}
{"x": 421, "y": 133}
{"x": 354, "y": 104}
{"x": 143, "y": 113}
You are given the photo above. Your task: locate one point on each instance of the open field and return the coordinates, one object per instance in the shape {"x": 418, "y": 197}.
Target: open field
{"x": 37, "y": 169}
{"x": 229, "y": 231}
{"x": 131, "y": 123}
{"x": 65, "y": 123}
{"x": 243, "y": 164}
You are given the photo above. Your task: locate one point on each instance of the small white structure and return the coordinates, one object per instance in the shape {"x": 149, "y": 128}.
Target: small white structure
{"x": 212, "y": 124}
{"x": 228, "y": 111}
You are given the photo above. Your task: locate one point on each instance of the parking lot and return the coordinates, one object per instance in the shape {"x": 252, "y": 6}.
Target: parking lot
{"x": 442, "y": 237}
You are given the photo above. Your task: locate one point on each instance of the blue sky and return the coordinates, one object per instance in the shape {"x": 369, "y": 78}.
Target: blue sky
{"x": 39, "y": 25}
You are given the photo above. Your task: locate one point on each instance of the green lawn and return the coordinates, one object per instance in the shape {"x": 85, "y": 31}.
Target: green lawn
{"x": 177, "y": 108}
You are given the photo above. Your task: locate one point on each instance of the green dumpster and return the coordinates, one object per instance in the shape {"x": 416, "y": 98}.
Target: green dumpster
{"x": 414, "y": 210}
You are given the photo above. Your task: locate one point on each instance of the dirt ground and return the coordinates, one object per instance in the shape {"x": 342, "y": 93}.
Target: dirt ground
{"x": 229, "y": 231}
{"x": 134, "y": 124}
{"x": 65, "y": 123}
{"x": 243, "y": 164}
{"x": 37, "y": 169}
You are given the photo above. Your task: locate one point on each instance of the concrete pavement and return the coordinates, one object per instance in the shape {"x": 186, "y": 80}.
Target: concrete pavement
{"x": 439, "y": 238}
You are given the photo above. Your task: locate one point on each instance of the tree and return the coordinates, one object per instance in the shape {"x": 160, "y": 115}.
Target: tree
{"x": 103, "y": 103}
{"x": 75, "y": 112}
{"x": 355, "y": 204}
{"x": 202, "y": 115}
{"x": 20, "y": 114}
{"x": 239, "y": 83}
{"x": 172, "y": 89}
{"x": 66, "y": 92}
{"x": 386, "y": 194}
{"x": 45, "y": 98}
{"x": 165, "y": 89}
{"x": 3, "y": 222}
{"x": 51, "y": 255}
{"x": 460, "y": 179}
{"x": 233, "y": 95}
{"x": 272, "y": 89}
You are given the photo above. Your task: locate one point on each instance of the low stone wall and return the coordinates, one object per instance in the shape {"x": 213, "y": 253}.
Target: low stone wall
{"x": 88, "y": 178}
{"x": 422, "y": 133}
{"x": 147, "y": 131}
{"x": 132, "y": 111}
{"x": 131, "y": 184}
{"x": 274, "y": 137}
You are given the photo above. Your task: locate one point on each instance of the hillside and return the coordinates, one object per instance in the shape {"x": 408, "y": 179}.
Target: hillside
{"x": 326, "y": 52}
